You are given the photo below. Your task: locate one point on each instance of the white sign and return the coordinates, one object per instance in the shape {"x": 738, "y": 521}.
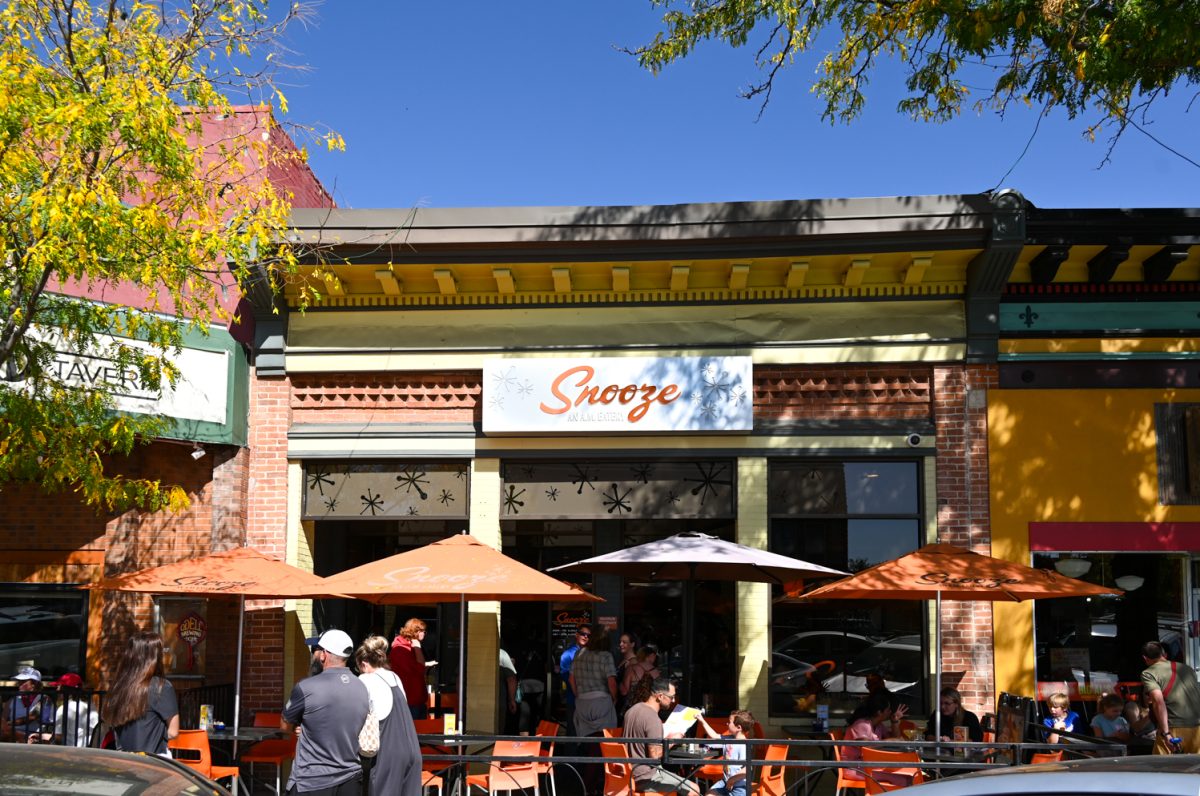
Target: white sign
{"x": 642, "y": 394}
{"x": 200, "y": 393}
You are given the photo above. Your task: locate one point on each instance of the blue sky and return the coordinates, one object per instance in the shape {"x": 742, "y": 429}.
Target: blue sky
{"x": 529, "y": 103}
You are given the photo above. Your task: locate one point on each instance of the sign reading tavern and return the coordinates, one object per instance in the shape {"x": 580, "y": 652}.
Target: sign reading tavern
{"x": 642, "y": 394}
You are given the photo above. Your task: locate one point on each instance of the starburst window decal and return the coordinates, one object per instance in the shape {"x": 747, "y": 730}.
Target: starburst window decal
{"x": 709, "y": 481}
{"x": 512, "y": 502}
{"x": 319, "y": 480}
{"x": 505, "y": 379}
{"x": 412, "y": 478}
{"x": 371, "y": 502}
{"x": 446, "y": 497}
{"x": 582, "y": 477}
{"x": 552, "y": 493}
{"x": 330, "y": 504}
{"x": 617, "y": 501}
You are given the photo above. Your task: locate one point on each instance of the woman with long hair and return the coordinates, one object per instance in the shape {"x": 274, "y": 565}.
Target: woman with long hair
{"x": 397, "y": 767}
{"x": 954, "y": 715}
{"x": 408, "y": 662}
{"x": 141, "y": 706}
{"x": 644, "y": 667}
{"x": 627, "y": 647}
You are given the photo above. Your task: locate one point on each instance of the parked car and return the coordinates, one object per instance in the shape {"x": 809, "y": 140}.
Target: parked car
{"x": 1165, "y": 775}
{"x": 29, "y": 769}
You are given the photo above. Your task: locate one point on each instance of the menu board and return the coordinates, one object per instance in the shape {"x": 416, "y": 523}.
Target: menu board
{"x": 1013, "y": 714}
{"x": 563, "y": 624}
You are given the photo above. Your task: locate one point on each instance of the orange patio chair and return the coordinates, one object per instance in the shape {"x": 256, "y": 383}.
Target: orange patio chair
{"x": 1046, "y": 757}
{"x": 197, "y": 741}
{"x": 510, "y": 775}
{"x": 770, "y": 781}
{"x": 432, "y": 727}
{"x": 274, "y": 751}
{"x": 713, "y": 772}
{"x": 547, "y": 731}
{"x": 846, "y": 778}
{"x": 618, "y": 777}
{"x": 612, "y": 732}
{"x": 871, "y": 779}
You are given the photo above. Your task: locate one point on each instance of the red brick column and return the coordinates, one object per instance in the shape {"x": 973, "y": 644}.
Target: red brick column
{"x": 266, "y": 530}
{"x": 960, "y": 414}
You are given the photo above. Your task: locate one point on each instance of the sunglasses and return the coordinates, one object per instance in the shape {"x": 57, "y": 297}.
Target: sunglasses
{"x": 584, "y": 635}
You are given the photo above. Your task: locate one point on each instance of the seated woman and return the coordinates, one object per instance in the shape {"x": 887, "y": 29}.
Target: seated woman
{"x": 874, "y": 720}
{"x": 953, "y": 715}
{"x": 1061, "y": 717}
{"x": 1108, "y": 722}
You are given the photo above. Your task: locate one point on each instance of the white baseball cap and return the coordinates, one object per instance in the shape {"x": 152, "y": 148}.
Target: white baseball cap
{"x": 336, "y": 642}
{"x": 28, "y": 673}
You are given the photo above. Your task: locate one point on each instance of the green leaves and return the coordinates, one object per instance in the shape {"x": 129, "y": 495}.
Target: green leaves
{"x": 123, "y": 166}
{"x": 1117, "y": 56}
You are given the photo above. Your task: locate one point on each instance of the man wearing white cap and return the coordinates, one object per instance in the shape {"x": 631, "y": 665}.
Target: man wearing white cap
{"x": 329, "y": 708}
{"x": 29, "y": 710}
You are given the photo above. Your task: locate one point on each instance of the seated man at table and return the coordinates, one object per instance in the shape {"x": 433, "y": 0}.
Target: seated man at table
{"x": 642, "y": 721}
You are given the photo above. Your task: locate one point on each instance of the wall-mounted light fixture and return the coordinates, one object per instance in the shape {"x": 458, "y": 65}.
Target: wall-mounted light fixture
{"x": 1073, "y": 567}
{"x": 197, "y": 451}
{"x": 1129, "y": 582}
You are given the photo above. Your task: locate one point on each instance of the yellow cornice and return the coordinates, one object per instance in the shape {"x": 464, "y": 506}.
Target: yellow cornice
{"x": 1100, "y": 345}
{"x": 841, "y": 276}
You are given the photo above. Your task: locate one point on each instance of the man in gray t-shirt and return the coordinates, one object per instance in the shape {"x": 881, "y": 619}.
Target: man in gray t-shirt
{"x": 329, "y": 708}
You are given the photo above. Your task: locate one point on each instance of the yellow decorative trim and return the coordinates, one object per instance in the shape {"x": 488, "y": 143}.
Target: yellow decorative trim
{"x": 1071, "y": 345}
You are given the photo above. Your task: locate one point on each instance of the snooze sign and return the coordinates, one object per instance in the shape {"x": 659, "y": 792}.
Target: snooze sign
{"x": 644, "y": 394}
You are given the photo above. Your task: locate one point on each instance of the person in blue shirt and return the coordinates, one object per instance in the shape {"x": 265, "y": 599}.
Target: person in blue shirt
{"x": 582, "y": 634}
{"x": 1061, "y": 718}
{"x": 1108, "y": 721}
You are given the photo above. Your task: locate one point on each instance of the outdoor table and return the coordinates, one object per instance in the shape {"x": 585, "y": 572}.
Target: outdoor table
{"x": 252, "y": 734}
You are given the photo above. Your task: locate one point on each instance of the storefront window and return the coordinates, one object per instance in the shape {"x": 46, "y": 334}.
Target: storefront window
{"x": 847, "y": 515}
{"x": 1085, "y": 646}
{"x": 43, "y": 625}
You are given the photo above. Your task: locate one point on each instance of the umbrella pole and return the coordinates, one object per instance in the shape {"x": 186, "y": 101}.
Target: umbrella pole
{"x": 462, "y": 649}
{"x": 937, "y": 668}
{"x": 237, "y": 683}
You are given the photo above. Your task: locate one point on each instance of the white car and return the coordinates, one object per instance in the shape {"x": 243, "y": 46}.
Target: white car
{"x": 1145, "y": 775}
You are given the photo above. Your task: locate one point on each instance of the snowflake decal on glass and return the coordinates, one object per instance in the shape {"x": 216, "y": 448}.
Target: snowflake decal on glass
{"x": 412, "y": 478}
{"x": 716, "y": 381}
{"x": 512, "y": 501}
{"x": 710, "y": 480}
{"x": 446, "y": 497}
{"x": 552, "y": 493}
{"x": 642, "y": 473}
{"x": 330, "y": 504}
{"x": 617, "y": 501}
{"x": 505, "y": 379}
{"x": 371, "y": 502}
{"x": 738, "y": 395}
{"x": 319, "y": 480}
{"x": 582, "y": 477}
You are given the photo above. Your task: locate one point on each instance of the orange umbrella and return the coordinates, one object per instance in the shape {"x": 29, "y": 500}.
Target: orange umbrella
{"x": 455, "y": 569}
{"x": 954, "y": 573}
{"x": 243, "y": 571}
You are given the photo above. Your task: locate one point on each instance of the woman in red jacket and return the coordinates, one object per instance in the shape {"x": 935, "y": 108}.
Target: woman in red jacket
{"x": 408, "y": 661}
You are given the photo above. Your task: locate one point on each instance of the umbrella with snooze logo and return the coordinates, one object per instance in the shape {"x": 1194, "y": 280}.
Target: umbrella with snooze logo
{"x": 242, "y": 572}
{"x": 943, "y": 571}
{"x": 455, "y": 569}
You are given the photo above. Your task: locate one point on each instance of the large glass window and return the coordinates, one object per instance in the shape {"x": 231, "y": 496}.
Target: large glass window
{"x": 849, "y": 515}
{"x": 1086, "y": 645}
{"x": 44, "y": 625}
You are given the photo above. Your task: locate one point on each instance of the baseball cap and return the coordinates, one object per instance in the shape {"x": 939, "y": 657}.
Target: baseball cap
{"x": 336, "y": 642}
{"x": 28, "y": 673}
{"x": 69, "y": 680}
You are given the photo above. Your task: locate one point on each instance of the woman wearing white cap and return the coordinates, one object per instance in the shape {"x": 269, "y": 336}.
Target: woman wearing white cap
{"x": 27, "y": 712}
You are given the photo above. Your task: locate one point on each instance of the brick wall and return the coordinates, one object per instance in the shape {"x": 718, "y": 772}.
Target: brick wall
{"x": 266, "y": 529}
{"x": 962, "y": 518}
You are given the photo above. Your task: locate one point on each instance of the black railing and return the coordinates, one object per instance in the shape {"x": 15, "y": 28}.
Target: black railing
{"x": 54, "y": 717}
{"x": 220, "y": 697}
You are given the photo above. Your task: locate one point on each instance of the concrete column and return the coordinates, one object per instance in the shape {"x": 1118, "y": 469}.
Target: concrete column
{"x": 753, "y": 599}
{"x": 483, "y": 617}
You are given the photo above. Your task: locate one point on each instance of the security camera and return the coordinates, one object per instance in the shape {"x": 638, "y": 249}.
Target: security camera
{"x": 912, "y": 440}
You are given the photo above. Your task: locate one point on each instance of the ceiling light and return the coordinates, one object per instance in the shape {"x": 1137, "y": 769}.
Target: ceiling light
{"x": 1073, "y": 567}
{"x": 1129, "y": 582}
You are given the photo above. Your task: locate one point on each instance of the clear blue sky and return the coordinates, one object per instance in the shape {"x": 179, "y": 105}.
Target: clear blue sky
{"x": 471, "y": 103}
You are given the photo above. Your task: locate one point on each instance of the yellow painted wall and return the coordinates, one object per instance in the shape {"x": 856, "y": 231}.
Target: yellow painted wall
{"x": 1067, "y": 456}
